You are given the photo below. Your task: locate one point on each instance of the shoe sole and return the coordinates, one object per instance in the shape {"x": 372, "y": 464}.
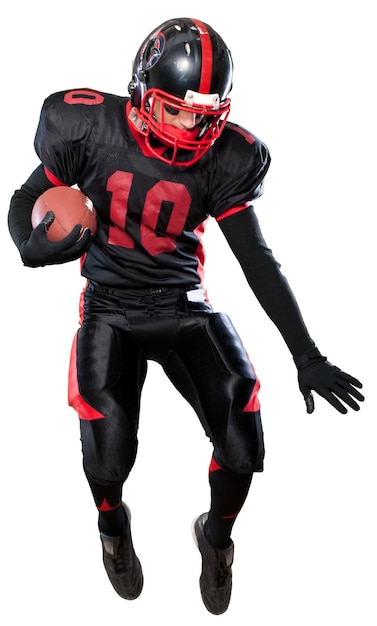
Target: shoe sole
{"x": 193, "y": 530}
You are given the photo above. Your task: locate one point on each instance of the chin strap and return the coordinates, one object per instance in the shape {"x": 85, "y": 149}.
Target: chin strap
{"x": 137, "y": 121}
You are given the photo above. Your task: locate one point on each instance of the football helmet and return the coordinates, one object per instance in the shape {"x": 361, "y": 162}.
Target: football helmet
{"x": 183, "y": 65}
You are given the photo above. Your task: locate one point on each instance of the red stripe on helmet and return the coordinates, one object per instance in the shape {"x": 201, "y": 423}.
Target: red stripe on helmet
{"x": 207, "y": 57}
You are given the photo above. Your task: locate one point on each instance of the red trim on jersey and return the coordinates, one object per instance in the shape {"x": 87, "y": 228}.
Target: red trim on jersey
{"x": 207, "y": 57}
{"x": 75, "y": 399}
{"x": 232, "y": 211}
{"x": 200, "y": 253}
{"x": 81, "y": 301}
{"x": 249, "y": 138}
{"x": 82, "y": 260}
{"x": 52, "y": 178}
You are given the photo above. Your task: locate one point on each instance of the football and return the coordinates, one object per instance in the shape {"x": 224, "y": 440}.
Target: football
{"x": 70, "y": 207}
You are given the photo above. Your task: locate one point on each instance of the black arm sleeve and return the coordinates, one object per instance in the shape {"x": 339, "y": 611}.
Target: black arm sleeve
{"x": 263, "y": 274}
{"x": 22, "y": 202}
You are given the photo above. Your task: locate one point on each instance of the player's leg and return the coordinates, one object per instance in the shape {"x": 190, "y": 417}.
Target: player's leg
{"x": 211, "y": 369}
{"x": 110, "y": 372}
{"x": 106, "y": 377}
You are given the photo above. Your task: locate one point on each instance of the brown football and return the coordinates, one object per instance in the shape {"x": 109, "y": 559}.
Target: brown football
{"x": 70, "y": 207}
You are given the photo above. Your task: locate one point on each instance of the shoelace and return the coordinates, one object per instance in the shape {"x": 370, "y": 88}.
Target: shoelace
{"x": 120, "y": 560}
{"x": 222, "y": 573}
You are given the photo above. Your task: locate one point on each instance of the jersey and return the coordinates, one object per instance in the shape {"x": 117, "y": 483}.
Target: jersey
{"x": 151, "y": 215}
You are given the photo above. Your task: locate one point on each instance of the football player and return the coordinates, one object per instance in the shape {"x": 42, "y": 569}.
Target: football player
{"x": 157, "y": 165}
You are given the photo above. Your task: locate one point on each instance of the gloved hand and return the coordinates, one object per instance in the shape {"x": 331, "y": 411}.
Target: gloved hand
{"x": 38, "y": 251}
{"x": 316, "y": 373}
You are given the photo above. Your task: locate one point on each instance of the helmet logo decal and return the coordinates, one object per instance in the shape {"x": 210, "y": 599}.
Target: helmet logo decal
{"x": 152, "y": 51}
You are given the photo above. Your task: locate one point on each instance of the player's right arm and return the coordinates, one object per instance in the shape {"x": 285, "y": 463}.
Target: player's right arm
{"x": 34, "y": 247}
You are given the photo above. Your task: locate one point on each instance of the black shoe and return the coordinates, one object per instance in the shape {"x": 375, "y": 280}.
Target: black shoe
{"x": 216, "y": 577}
{"x": 121, "y": 563}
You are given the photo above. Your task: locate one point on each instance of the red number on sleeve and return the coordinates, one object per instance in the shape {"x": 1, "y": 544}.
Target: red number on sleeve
{"x": 83, "y": 96}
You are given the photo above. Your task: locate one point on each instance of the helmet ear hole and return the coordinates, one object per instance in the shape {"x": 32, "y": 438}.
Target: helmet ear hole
{"x": 132, "y": 86}
{"x": 136, "y": 90}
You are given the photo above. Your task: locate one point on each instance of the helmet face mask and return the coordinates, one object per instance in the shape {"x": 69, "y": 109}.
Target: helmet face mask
{"x": 182, "y": 66}
{"x": 209, "y": 122}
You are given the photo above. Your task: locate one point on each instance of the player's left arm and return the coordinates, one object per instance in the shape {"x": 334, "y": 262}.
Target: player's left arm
{"x": 275, "y": 295}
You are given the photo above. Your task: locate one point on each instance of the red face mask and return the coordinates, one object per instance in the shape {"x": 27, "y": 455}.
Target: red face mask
{"x": 211, "y": 116}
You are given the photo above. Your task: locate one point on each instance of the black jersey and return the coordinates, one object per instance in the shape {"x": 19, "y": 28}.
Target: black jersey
{"x": 151, "y": 215}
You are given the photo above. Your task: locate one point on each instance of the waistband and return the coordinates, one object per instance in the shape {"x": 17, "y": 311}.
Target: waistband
{"x": 195, "y": 297}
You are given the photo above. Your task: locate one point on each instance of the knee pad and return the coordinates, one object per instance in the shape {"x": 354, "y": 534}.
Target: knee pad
{"x": 109, "y": 451}
{"x": 242, "y": 449}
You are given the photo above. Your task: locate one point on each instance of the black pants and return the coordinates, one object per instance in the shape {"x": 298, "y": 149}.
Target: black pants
{"x": 201, "y": 354}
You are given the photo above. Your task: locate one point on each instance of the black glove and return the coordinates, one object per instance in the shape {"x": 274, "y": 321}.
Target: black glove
{"x": 316, "y": 373}
{"x": 38, "y": 251}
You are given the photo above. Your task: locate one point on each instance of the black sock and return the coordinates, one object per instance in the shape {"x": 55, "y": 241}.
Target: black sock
{"x": 113, "y": 522}
{"x": 219, "y": 537}
{"x": 228, "y": 493}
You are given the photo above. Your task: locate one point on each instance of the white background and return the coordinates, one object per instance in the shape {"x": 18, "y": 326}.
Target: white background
{"x": 306, "y": 539}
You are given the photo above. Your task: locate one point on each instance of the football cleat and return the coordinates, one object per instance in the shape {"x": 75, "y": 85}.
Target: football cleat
{"x": 121, "y": 563}
{"x": 216, "y": 577}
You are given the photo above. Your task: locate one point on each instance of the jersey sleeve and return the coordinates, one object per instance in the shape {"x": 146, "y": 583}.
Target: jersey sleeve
{"x": 241, "y": 165}
{"x": 62, "y": 134}
{"x": 265, "y": 278}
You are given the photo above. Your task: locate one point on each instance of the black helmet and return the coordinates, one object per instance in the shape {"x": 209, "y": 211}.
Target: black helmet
{"x": 185, "y": 65}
